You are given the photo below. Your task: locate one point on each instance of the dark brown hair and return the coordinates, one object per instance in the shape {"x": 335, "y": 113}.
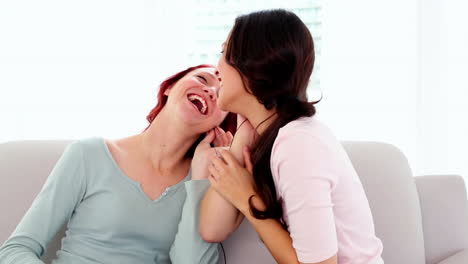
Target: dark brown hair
{"x": 273, "y": 51}
{"x": 229, "y": 123}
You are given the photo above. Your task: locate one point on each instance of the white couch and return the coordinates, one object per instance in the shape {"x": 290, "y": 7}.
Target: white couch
{"x": 419, "y": 219}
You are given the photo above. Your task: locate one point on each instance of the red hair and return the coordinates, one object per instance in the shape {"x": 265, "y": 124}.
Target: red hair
{"x": 229, "y": 123}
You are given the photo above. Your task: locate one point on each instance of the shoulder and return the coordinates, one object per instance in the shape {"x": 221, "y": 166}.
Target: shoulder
{"x": 310, "y": 125}
{"x": 90, "y": 146}
{"x": 305, "y": 150}
{"x": 86, "y": 150}
{"x": 304, "y": 146}
{"x": 307, "y": 133}
{"x": 88, "y": 143}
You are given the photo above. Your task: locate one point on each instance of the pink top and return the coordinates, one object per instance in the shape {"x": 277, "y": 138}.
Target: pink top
{"x": 324, "y": 203}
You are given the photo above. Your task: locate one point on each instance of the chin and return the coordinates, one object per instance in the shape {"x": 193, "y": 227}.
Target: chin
{"x": 196, "y": 122}
{"x": 190, "y": 117}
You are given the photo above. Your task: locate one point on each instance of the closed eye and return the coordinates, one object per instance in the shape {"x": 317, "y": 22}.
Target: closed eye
{"x": 203, "y": 78}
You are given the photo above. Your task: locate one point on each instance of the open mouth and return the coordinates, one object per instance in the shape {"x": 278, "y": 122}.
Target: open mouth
{"x": 199, "y": 102}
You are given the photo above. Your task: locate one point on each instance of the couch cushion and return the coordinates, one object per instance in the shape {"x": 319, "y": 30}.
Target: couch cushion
{"x": 244, "y": 246}
{"x": 383, "y": 170}
{"x": 444, "y": 211}
{"x": 459, "y": 258}
{"x": 393, "y": 198}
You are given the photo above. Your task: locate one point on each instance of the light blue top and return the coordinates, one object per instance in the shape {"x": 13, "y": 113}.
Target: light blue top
{"x": 110, "y": 219}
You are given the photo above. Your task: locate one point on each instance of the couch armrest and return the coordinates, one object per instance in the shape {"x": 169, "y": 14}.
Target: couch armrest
{"x": 444, "y": 211}
{"x": 459, "y": 258}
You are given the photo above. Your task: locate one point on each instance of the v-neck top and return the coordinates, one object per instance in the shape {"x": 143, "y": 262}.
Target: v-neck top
{"x": 138, "y": 186}
{"x": 109, "y": 217}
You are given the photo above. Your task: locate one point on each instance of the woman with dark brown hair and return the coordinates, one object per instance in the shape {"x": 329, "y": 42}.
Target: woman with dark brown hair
{"x": 296, "y": 185}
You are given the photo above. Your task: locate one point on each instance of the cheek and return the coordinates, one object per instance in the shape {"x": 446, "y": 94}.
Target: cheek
{"x": 231, "y": 87}
{"x": 178, "y": 90}
{"x": 224, "y": 71}
{"x": 221, "y": 64}
{"x": 223, "y": 98}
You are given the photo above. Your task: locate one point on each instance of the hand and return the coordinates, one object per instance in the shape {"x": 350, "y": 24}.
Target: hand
{"x": 204, "y": 151}
{"x": 222, "y": 139}
{"x": 232, "y": 181}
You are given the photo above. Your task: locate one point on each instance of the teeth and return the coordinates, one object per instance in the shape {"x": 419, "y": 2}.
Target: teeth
{"x": 199, "y": 98}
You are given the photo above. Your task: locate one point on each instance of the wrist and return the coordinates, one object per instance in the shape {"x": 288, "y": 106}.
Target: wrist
{"x": 254, "y": 199}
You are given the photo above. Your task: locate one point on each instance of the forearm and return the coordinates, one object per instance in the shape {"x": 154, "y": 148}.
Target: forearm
{"x": 218, "y": 217}
{"x": 188, "y": 246}
{"x": 276, "y": 239}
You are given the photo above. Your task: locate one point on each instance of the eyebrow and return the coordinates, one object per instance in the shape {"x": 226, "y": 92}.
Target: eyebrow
{"x": 212, "y": 76}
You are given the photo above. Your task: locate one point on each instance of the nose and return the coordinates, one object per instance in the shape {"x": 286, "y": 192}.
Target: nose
{"x": 211, "y": 91}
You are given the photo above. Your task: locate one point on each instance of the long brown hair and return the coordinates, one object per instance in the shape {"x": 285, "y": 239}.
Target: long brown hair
{"x": 273, "y": 51}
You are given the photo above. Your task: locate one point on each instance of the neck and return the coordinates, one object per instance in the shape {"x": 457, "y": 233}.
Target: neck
{"x": 165, "y": 146}
{"x": 260, "y": 117}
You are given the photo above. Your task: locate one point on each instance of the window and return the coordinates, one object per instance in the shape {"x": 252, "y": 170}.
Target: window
{"x": 77, "y": 69}
{"x": 199, "y": 28}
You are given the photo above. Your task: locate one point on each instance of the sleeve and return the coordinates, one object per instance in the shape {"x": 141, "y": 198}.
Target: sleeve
{"x": 302, "y": 166}
{"x": 189, "y": 246}
{"x": 51, "y": 209}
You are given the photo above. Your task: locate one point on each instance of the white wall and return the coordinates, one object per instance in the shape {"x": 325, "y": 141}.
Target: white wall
{"x": 71, "y": 70}
{"x": 370, "y": 71}
{"x": 396, "y": 71}
{"x": 456, "y": 85}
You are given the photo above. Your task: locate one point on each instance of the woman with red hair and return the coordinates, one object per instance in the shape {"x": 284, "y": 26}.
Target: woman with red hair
{"x": 135, "y": 199}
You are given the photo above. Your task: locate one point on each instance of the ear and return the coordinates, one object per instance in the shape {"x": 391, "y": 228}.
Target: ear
{"x": 168, "y": 91}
